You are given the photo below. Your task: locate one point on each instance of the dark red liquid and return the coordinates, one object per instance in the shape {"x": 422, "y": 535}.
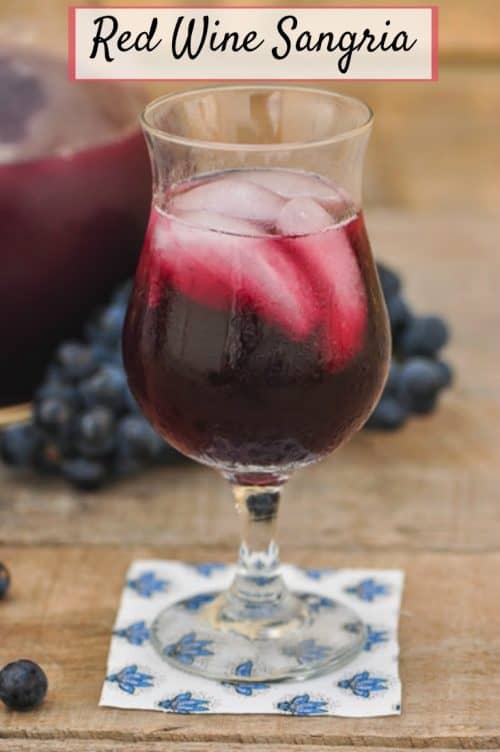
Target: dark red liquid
{"x": 256, "y": 354}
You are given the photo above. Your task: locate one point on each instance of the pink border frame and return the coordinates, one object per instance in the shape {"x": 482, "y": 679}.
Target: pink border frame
{"x": 434, "y": 34}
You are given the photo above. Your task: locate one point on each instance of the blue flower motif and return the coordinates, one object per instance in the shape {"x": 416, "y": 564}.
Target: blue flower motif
{"x": 308, "y": 651}
{"x": 316, "y": 602}
{"x": 209, "y": 567}
{"x": 317, "y": 574}
{"x": 303, "y": 705}
{"x": 136, "y": 634}
{"x": 374, "y": 637}
{"x": 368, "y": 590}
{"x": 187, "y": 649}
{"x": 130, "y": 678}
{"x": 363, "y": 684}
{"x": 185, "y": 703}
{"x": 197, "y": 601}
{"x": 148, "y": 584}
{"x": 245, "y": 688}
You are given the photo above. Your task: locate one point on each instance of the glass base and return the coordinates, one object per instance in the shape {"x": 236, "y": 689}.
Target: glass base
{"x": 196, "y": 635}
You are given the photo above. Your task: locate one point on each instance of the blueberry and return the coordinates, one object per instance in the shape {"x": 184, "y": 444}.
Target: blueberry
{"x": 137, "y": 439}
{"x": 388, "y": 415}
{"x": 76, "y": 360}
{"x": 20, "y": 443}
{"x": 425, "y": 335}
{"x": 390, "y": 281}
{"x": 95, "y": 433}
{"x": 399, "y": 315}
{"x": 263, "y": 506}
{"x": 107, "y": 386}
{"x": 54, "y": 415}
{"x": 23, "y": 685}
{"x": 4, "y": 580}
{"x": 85, "y": 474}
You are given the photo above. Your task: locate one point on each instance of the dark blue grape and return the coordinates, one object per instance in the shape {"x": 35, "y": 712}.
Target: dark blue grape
{"x": 446, "y": 372}
{"x": 107, "y": 386}
{"x": 20, "y": 444}
{"x": 388, "y": 415}
{"x": 400, "y": 315}
{"x": 4, "y": 580}
{"x": 419, "y": 383}
{"x": 390, "y": 281}
{"x": 123, "y": 293}
{"x": 392, "y": 383}
{"x": 425, "y": 335}
{"x": 76, "y": 360}
{"x": 54, "y": 415}
{"x": 85, "y": 474}
{"x": 109, "y": 325}
{"x": 95, "y": 432}
{"x": 23, "y": 685}
{"x": 137, "y": 439}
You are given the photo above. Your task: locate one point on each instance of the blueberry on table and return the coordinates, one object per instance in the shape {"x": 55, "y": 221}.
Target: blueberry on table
{"x": 108, "y": 326}
{"x": 4, "y": 580}
{"x": 23, "y": 685}
{"x": 85, "y": 474}
{"x": 390, "y": 281}
{"x": 19, "y": 444}
{"x": 388, "y": 415}
{"x": 446, "y": 373}
{"x": 425, "y": 335}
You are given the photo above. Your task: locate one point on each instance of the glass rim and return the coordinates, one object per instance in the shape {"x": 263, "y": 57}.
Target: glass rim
{"x": 232, "y": 146}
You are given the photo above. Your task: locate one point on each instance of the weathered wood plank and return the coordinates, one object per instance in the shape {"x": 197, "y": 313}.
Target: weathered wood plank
{"x": 63, "y": 605}
{"x": 432, "y": 486}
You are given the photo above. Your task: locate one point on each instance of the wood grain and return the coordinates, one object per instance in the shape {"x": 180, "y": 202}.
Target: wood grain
{"x": 63, "y": 606}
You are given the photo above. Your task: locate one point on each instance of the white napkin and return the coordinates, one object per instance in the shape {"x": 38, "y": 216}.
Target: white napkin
{"x": 137, "y": 678}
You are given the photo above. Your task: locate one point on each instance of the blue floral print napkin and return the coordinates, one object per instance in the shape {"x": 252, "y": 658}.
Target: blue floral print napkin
{"x": 137, "y": 678}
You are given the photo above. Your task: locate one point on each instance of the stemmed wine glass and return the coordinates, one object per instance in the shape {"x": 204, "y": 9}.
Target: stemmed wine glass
{"x": 256, "y": 342}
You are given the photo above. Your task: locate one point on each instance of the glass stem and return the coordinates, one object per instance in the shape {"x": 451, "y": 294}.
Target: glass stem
{"x": 258, "y": 602}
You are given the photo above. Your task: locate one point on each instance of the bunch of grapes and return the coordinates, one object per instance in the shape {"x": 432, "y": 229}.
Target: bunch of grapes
{"x": 417, "y": 375}
{"x": 87, "y": 426}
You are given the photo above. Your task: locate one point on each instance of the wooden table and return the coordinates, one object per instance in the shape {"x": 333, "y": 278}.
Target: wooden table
{"x": 426, "y": 499}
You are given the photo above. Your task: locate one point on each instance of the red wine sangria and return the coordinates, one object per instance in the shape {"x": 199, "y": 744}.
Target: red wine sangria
{"x": 257, "y": 341}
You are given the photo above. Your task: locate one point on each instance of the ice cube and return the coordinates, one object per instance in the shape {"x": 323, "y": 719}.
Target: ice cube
{"x": 220, "y": 222}
{"x": 302, "y": 216}
{"x": 232, "y": 196}
{"x": 291, "y": 184}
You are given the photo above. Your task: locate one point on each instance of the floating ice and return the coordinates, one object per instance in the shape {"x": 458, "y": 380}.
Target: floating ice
{"x": 302, "y": 216}
{"x": 292, "y": 184}
{"x": 232, "y": 196}
{"x": 219, "y": 222}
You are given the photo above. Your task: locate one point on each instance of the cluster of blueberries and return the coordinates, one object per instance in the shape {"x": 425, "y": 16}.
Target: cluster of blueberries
{"x": 417, "y": 375}
{"x": 86, "y": 423}
{"x": 88, "y": 427}
{"x": 23, "y": 684}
